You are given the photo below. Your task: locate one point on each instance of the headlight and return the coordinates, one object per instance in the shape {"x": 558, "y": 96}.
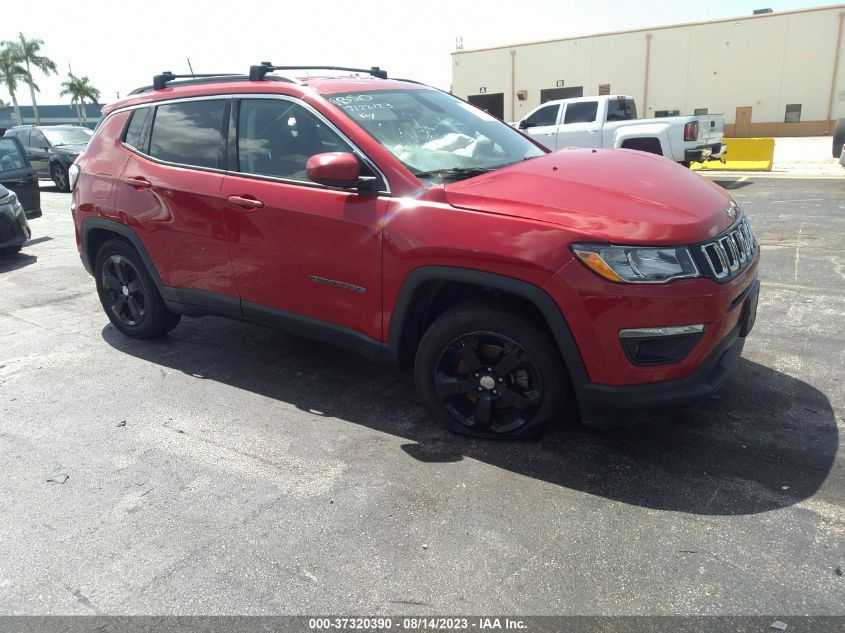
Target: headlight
{"x": 638, "y": 264}
{"x": 73, "y": 175}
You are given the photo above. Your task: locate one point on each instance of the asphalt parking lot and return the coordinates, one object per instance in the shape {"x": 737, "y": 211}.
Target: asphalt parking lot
{"x": 231, "y": 469}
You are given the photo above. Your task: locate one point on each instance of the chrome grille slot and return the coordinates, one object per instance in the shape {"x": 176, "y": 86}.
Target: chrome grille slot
{"x": 715, "y": 257}
{"x": 730, "y": 250}
{"x": 729, "y": 253}
{"x": 739, "y": 242}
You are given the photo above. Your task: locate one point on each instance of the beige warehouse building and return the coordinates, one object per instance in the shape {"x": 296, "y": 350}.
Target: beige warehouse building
{"x": 774, "y": 74}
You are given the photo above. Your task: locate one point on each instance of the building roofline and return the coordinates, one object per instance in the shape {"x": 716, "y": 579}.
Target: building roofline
{"x": 831, "y": 7}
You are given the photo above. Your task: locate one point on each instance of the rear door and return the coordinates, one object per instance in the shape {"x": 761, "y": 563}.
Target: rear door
{"x": 170, "y": 190}
{"x": 580, "y": 127}
{"x": 301, "y": 250}
{"x": 16, "y": 174}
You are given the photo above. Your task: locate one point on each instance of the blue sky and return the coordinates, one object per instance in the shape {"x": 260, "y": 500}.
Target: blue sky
{"x": 119, "y": 46}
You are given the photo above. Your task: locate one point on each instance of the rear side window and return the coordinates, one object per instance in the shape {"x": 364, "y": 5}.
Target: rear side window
{"x": 23, "y": 135}
{"x": 277, "y": 137}
{"x": 134, "y": 132}
{"x": 582, "y": 112}
{"x": 189, "y": 133}
{"x": 621, "y": 110}
{"x": 11, "y": 157}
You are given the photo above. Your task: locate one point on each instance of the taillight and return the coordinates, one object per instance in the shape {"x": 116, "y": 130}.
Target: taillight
{"x": 691, "y": 131}
{"x": 73, "y": 175}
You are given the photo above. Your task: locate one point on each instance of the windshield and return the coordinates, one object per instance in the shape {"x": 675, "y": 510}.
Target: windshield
{"x": 68, "y": 136}
{"x": 437, "y": 137}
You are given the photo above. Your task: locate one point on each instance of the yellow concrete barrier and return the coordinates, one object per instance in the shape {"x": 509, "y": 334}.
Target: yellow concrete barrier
{"x": 744, "y": 154}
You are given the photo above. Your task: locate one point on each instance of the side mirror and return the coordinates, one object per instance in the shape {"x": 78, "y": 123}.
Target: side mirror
{"x": 523, "y": 125}
{"x": 336, "y": 169}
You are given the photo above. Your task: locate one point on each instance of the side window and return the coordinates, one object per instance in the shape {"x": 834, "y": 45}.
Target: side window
{"x": 189, "y": 133}
{"x": 23, "y": 137}
{"x": 134, "y": 131}
{"x": 621, "y": 110}
{"x": 37, "y": 139}
{"x": 277, "y": 137}
{"x": 544, "y": 116}
{"x": 11, "y": 157}
{"x": 581, "y": 112}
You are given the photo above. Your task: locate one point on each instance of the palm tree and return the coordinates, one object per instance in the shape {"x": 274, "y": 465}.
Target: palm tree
{"x": 28, "y": 52}
{"x": 80, "y": 91}
{"x": 10, "y": 73}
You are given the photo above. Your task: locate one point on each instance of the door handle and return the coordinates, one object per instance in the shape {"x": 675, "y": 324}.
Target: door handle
{"x": 245, "y": 202}
{"x": 138, "y": 183}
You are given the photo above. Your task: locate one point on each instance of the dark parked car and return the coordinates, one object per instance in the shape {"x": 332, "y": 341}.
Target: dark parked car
{"x": 14, "y": 229}
{"x": 18, "y": 175}
{"x": 52, "y": 148}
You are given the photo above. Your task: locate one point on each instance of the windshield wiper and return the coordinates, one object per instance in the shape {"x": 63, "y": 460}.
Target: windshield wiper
{"x": 455, "y": 172}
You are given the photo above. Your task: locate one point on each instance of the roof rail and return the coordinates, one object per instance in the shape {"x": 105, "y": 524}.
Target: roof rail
{"x": 160, "y": 81}
{"x": 258, "y": 73}
{"x": 165, "y": 79}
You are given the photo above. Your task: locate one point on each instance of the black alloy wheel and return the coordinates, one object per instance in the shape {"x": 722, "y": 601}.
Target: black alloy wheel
{"x": 488, "y": 372}
{"x": 128, "y": 294}
{"x": 124, "y": 291}
{"x": 488, "y": 383}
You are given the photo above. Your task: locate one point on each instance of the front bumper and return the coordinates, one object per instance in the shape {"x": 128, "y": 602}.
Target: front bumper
{"x": 603, "y": 406}
{"x": 14, "y": 229}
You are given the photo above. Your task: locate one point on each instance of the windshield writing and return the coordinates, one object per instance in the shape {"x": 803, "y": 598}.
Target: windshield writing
{"x": 435, "y": 135}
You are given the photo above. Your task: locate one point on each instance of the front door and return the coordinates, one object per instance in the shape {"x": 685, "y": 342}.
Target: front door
{"x": 541, "y": 125}
{"x": 39, "y": 152}
{"x": 299, "y": 251}
{"x": 16, "y": 175}
{"x": 742, "y": 125}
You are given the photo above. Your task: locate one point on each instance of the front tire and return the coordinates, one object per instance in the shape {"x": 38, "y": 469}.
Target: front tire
{"x": 487, "y": 372}
{"x": 129, "y": 295}
{"x": 60, "y": 177}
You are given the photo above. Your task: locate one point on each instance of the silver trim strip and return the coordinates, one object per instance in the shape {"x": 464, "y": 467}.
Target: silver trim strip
{"x": 670, "y": 330}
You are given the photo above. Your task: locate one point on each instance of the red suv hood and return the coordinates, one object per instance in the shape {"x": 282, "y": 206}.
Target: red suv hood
{"x": 621, "y": 196}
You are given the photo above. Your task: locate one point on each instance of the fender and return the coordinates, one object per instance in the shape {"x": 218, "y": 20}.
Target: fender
{"x": 534, "y": 294}
{"x": 660, "y": 131}
{"x": 90, "y": 224}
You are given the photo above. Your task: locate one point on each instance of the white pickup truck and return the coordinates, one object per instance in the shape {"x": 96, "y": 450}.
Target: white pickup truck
{"x": 611, "y": 121}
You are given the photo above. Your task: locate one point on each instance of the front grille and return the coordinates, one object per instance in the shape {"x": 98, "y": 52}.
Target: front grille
{"x": 729, "y": 253}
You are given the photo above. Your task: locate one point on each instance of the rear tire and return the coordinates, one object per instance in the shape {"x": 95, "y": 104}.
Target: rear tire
{"x": 838, "y": 138}
{"x": 129, "y": 295}
{"x": 485, "y": 371}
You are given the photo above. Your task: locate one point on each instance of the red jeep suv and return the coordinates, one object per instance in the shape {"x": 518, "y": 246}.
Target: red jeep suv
{"x": 400, "y": 222}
